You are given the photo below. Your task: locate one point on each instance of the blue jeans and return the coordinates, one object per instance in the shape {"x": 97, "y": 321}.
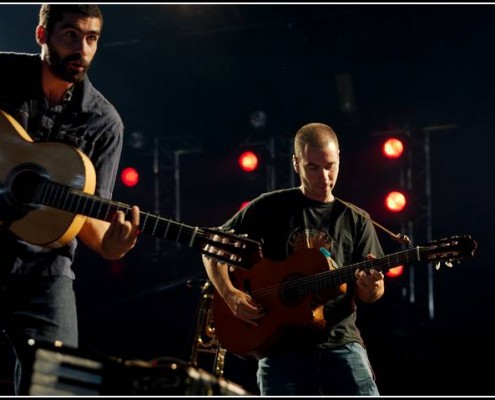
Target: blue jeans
{"x": 42, "y": 308}
{"x": 343, "y": 370}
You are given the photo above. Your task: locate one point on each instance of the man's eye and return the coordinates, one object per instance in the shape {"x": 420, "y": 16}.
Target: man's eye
{"x": 70, "y": 35}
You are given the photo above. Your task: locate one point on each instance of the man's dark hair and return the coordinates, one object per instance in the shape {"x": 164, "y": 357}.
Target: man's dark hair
{"x": 50, "y": 14}
{"x": 314, "y": 134}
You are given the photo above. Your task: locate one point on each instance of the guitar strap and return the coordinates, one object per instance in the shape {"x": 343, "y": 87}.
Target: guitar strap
{"x": 399, "y": 237}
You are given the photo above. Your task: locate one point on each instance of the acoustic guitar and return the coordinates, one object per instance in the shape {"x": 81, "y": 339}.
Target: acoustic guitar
{"x": 288, "y": 290}
{"x": 47, "y": 192}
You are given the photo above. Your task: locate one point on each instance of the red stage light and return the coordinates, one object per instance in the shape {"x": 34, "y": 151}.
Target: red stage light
{"x": 395, "y": 201}
{"x": 129, "y": 177}
{"x": 395, "y": 272}
{"x": 248, "y": 161}
{"x": 393, "y": 148}
{"x": 244, "y": 204}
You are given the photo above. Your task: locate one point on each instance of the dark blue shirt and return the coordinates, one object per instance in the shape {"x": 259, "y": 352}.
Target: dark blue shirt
{"x": 85, "y": 120}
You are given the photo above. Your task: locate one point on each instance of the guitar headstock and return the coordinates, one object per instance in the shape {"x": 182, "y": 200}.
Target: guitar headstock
{"x": 227, "y": 247}
{"x": 449, "y": 250}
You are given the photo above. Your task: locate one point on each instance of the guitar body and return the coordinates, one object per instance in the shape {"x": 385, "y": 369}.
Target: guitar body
{"x": 282, "y": 308}
{"x": 293, "y": 291}
{"x": 47, "y": 192}
{"x": 43, "y": 226}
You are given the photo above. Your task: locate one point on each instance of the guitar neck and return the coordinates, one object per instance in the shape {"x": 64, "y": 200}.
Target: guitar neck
{"x": 64, "y": 198}
{"x": 337, "y": 277}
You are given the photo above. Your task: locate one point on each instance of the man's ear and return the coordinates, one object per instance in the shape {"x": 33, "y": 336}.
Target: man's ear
{"x": 41, "y": 35}
{"x": 295, "y": 164}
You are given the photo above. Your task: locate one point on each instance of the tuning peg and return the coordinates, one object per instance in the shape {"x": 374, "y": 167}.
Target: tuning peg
{"x": 449, "y": 264}
{"x": 437, "y": 265}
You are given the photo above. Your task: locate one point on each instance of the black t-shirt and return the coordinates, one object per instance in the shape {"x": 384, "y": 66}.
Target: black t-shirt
{"x": 287, "y": 222}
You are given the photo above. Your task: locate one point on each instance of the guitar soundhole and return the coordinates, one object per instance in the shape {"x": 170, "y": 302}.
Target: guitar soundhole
{"x": 24, "y": 183}
{"x": 291, "y": 293}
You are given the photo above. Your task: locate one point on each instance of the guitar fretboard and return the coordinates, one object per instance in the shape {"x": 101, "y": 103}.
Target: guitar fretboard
{"x": 235, "y": 250}
{"x": 329, "y": 279}
{"x": 75, "y": 201}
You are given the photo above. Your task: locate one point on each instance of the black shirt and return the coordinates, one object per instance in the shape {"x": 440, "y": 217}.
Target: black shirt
{"x": 287, "y": 222}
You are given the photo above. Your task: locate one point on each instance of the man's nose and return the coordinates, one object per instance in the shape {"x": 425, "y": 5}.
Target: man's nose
{"x": 81, "y": 47}
{"x": 325, "y": 174}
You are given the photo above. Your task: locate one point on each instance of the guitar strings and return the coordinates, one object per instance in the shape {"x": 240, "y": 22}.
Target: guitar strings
{"x": 76, "y": 201}
{"x": 69, "y": 199}
{"x": 299, "y": 287}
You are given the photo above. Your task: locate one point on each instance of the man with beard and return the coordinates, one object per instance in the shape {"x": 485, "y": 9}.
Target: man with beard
{"x": 51, "y": 97}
